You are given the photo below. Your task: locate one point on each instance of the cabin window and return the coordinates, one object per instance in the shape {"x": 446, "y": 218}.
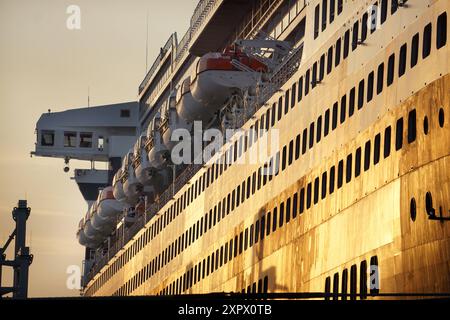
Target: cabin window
{"x": 402, "y": 62}
{"x": 332, "y": 174}
{"x": 272, "y": 119}
{"x": 302, "y": 200}
{"x": 441, "y": 117}
{"x": 288, "y": 210}
{"x": 426, "y": 41}
{"x": 274, "y": 221}
{"x": 340, "y": 174}
{"x": 308, "y": 195}
{"x": 348, "y": 168}
{"x": 364, "y": 21}
{"x": 441, "y": 36}
{"x": 384, "y": 6}
{"x": 399, "y": 134}
{"x": 316, "y": 190}
{"x": 367, "y": 156}
{"x": 311, "y": 135}
{"x": 351, "y": 102}
{"x": 374, "y": 284}
{"x": 326, "y": 129}
{"x": 263, "y": 226}
{"x": 85, "y": 140}
{"x": 327, "y": 288}
{"x": 363, "y": 280}
{"x": 358, "y": 162}
{"x": 70, "y": 139}
{"x": 293, "y": 90}
{"x": 412, "y": 126}
{"x": 387, "y": 142}
{"x": 294, "y": 205}
{"x": 355, "y": 35}
{"x": 344, "y": 284}
{"x": 334, "y": 120}
{"x": 336, "y": 286}
{"x": 300, "y": 89}
{"x": 391, "y": 66}
{"x": 322, "y": 67}
{"x": 394, "y": 6}
{"x": 324, "y": 185}
{"x": 283, "y": 159}
{"x": 290, "y": 154}
{"x": 280, "y": 108}
{"x": 125, "y": 113}
{"x": 314, "y": 75}
{"x": 414, "y": 50}
{"x": 346, "y": 44}
{"x": 329, "y": 60}
{"x": 353, "y": 282}
{"x": 338, "y": 53}
{"x": 304, "y": 142}
{"x": 281, "y": 220}
{"x": 47, "y": 138}
{"x": 319, "y": 129}
{"x": 370, "y": 81}
{"x": 297, "y": 147}
{"x": 340, "y": 6}
{"x": 246, "y": 239}
{"x": 307, "y": 82}
{"x": 324, "y": 14}
{"x": 376, "y": 149}
{"x": 380, "y": 78}
{"x": 316, "y": 21}
{"x": 361, "y": 94}
{"x": 343, "y": 108}
{"x": 286, "y": 102}
{"x": 332, "y": 10}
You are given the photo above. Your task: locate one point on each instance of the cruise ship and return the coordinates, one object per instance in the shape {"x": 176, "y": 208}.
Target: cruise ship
{"x": 281, "y": 146}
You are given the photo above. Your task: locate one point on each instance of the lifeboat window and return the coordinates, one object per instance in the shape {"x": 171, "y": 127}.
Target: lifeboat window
{"x": 412, "y": 126}
{"x": 332, "y": 174}
{"x": 370, "y": 81}
{"x": 426, "y": 49}
{"x": 414, "y": 50}
{"x": 334, "y": 120}
{"x": 47, "y": 138}
{"x": 324, "y": 14}
{"x": 376, "y": 149}
{"x": 308, "y": 196}
{"x": 441, "y": 36}
{"x": 380, "y": 78}
{"x": 338, "y": 53}
{"x": 327, "y": 288}
{"x": 340, "y": 174}
{"x": 351, "y": 102}
{"x": 316, "y": 190}
{"x": 326, "y": 128}
{"x": 70, "y": 139}
{"x": 332, "y": 10}
{"x": 304, "y": 141}
{"x": 361, "y": 94}
{"x": 302, "y": 201}
{"x": 358, "y": 162}
{"x": 402, "y": 62}
{"x": 391, "y": 65}
{"x": 294, "y": 205}
{"x": 316, "y": 21}
{"x": 367, "y": 156}
{"x": 356, "y": 34}
{"x": 324, "y": 185}
{"x": 348, "y": 168}
{"x": 286, "y": 102}
{"x": 311, "y": 135}
{"x": 280, "y": 107}
{"x": 319, "y": 129}
{"x": 399, "y": 134}
{"x": 297, "y": 147}
{"x": 329, "y": 60}
{"x": 294, "y": 91}
{"x": 346, "y": 44}
{"x": 383, "y": 11}
{"x": 85, "y": 140}
{"x": 343, "y": 108}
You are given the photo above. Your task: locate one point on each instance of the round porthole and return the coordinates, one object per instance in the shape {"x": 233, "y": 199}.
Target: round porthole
{"x": 429, "y": 204}
{"x": 413, "y": 209}
{"x": 425, "y": 125}
{"x": 441, "y": 117}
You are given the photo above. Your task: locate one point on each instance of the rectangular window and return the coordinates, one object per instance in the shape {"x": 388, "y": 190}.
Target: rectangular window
{"x": 324, "y": 185}
{"x": 283, "y": 159}
{"x": 329, "y": 60}
{"x": 293, "y": 91}
{"x": 380, "y": 78}
{"x": 281, "y": 219}
{"x": 353, "y": 282}
{"x": 384, "y": 6}
{"x": 340, "y": 6}
{"x": 391, "y": 66}
{"x": 355, "y": 39}
{"x": 334, "y": 119}
{"x": 351, "y": 102}
{"x": 399, "y": 134}
{"x": 370, "y": 81}
{"x": 376, "y": 149}
{"x": 272, "y": 120}
{"x": 402, "y": 61}
{"x": 324, "y": 14}
{"x": 290, "y": 153}
{"x": 358, "y": 162}
{"x": 300, "y": 89}
{"x": 305, "y": 141}
{"x": 412, "y": 126}
{"x": 394, "y": 6}
{"x": 426, "y": 49}
{"x": 367, "y": 156}
{"x": 316, "y": 190}
{"x": 275, "y": 219}
{"x": 316, "y": 21}
{"x": 311, "y": 135}
{"x": 322, "y": 68}
{"x": 387, "y": 142}
{"x": 286, "y": 102}
{"x": 332, "y": 10}
{"x": 280, "y": 107}
{"x": 297, "y": 147}
{"x": 307, "y": 82}
{"x": 308, "y": 195}
{"x": 332, "y": 175}
{"x": 348, "y": 168}
{"x": 70, "y": 139}
{"x": 343, "y": 108}
{"x": 338, "y": 53}
{"x": 340, "y": 178}
{"x": 414, "y": 50}
{"x": 346, "y": 44}
{"x": 85, "y": 140}
{"x": 314, "y": 75}
{"x": 302, "y": 200}
{"x": 319, "y": 129}
{"x": 364, "y": 21}
{"x": 361, "y": 89}
{"x": 326, "y": 127}
{"x": 441, "y": 35}
{"x": 294, "y": 205}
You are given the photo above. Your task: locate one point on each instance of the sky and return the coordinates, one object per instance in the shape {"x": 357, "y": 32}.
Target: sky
{"x": 44, "y": 65}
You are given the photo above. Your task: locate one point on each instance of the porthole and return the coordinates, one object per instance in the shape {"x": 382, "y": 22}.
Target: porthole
{"x": 425, "y": 125}
{"x": 441, "y": 117}
{"x": 429, "y": 204}
{"x": 413, "y": 209}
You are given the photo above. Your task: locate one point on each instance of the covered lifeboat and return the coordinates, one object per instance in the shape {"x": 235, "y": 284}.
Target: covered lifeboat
{"x": 156, "y": 150}
{"x": 117, "y": 185}
{"x": 132, "y": 188}
{"x": 108, "y": 208}
{"x": 170, "y": 122}
{"x": 187, "y": 107}
{"x": 219, "y": 75}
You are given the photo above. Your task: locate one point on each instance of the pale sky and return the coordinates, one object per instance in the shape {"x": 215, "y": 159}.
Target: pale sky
{"x": 44, "y": 65}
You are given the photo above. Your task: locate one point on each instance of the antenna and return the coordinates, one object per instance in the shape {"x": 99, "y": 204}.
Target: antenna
{"x": 88, "y": 97}
{"x": 146, "y": 44}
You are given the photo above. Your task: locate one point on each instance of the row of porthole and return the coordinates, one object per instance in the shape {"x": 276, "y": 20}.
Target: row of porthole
{"x": 429, "y": 209}
{"x": 440, "y": 117}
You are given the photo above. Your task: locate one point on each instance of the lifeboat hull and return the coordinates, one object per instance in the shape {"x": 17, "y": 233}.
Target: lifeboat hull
{"x": 133, "y": 190}
{"x": 192, "y": 110}
{"x": 118, "y": 191}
